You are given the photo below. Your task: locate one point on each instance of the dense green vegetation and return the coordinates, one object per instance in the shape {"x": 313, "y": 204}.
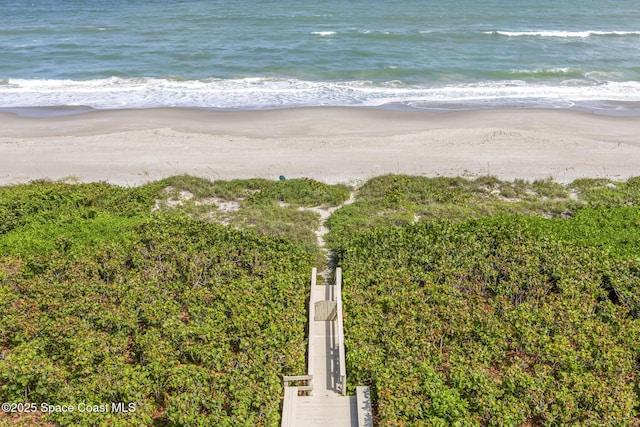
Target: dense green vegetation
{"x": 400, "y": 199}
{"x": 501, "y": 317}
{"x": 275, "y": 208}
{"x": 468, "y": 301}
{"x": 103, "y": 301}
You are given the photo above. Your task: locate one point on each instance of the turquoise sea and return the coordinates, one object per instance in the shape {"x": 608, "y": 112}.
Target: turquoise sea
{"x": 257, "y": 54}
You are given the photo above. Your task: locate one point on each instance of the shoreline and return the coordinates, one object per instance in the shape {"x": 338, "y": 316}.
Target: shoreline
{"x": 329, "y": 144}
{"x": 595, "y": 107}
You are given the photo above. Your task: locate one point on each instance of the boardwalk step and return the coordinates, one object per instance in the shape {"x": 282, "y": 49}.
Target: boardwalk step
{"x": 325, "y": 310}
{"x": 297, "y": 377}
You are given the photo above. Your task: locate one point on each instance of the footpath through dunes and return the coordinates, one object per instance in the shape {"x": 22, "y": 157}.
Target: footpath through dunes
{"x": 323, "y": 401}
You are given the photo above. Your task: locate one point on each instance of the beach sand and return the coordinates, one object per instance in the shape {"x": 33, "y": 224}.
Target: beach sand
{"x": 130, "y": 147}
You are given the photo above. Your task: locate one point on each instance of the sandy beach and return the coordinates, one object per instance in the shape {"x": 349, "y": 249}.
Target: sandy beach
{"x": 130, "y": 147}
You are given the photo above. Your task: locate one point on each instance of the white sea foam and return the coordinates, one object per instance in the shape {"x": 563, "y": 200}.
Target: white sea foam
{"x": 603, "y": 76}
{"x": 323, "y": 33}
{"x": 261, "y": 93}
{"x": 563, "y": 34}
{"x": 557, "y": 70}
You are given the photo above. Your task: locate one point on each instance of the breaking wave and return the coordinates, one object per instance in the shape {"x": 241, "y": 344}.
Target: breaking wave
{"x": 267, "y": 93}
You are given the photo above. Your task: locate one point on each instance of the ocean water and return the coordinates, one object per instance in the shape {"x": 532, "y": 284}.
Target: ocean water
{"x": 255, "y": 54}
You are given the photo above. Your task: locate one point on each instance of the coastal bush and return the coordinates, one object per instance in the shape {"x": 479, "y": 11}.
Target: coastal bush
{"x": 274, "y": 220}
{"x": 550, "y": 189}
{"x": 396, "y": 189}
{"x": 602, "y": 192}
{"x": 296, "y": 192}
{"x": 276, "y": 208}
{"x": 501, "y": 321}
{"x": 499, "y": 304}
{"x": 42, "y": 216}
{"x": 101, "y": 301}
{"x": 401, "y": 199}
{"x": 464, "y": 306}
{"x": 302, "y": 192}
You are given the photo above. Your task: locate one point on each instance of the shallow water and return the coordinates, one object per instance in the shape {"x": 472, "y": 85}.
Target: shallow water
{"x": 244, "y": 54}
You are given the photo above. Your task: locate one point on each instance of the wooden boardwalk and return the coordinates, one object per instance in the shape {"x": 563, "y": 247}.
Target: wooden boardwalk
{"x": 326, "y": 406}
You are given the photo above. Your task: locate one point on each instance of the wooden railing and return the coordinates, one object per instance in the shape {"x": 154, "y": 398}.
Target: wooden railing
{"x": 304, "y": 383}
{"x": 288, "y": 379}
{"x": 341, "y": 349}
{"x": 311, "y": 329}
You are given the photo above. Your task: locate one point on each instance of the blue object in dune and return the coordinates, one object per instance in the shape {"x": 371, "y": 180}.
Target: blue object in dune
{"x": 283, "y": 178}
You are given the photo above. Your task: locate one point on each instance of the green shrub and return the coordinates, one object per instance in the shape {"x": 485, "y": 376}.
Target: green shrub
{"x": 495, "y": 321}
{"x": 100, "y": 301}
